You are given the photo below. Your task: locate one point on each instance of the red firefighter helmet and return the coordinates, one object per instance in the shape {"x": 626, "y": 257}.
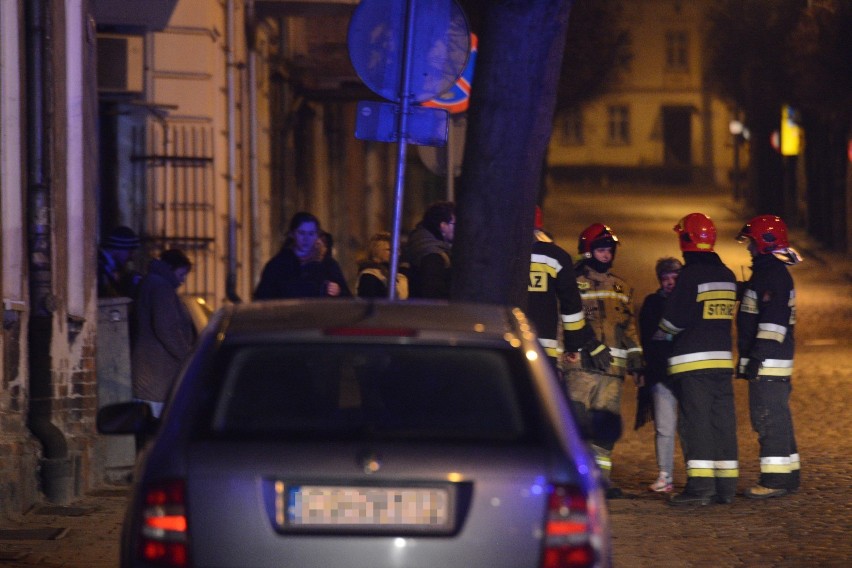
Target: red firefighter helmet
{"x": 595, "y": 236}
{"x": 696, "y": 233}
{"x": 768, "y": 232}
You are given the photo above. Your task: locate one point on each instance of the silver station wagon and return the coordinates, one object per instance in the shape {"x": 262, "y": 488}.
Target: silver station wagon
{"x": 358, "y": 434}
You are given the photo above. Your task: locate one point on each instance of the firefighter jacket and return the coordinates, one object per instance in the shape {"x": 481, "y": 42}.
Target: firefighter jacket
{"x": 699, "y": 314}
{"x": 554, "y": 302}
{"x": 608, "y": 307}
{"x": 767, "y": 317}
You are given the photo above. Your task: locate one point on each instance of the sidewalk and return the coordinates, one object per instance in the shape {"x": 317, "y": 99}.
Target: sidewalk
{"x": 84, "y": 534}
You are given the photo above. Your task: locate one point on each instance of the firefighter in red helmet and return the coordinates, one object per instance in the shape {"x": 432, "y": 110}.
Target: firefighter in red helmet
{"x": 765, "y": 325}
{"x": 610, "y": 350}
{"x": 698, "y": 316}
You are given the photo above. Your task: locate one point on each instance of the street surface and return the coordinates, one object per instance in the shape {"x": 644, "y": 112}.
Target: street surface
{"x": 810, "y": 528}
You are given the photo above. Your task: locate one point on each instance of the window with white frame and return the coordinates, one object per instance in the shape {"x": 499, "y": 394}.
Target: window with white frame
{"x": 677, "y": 50}
{"x": 618, "y": 125}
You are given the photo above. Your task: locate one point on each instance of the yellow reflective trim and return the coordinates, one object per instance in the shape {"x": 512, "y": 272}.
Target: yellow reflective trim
{"x": 598, "y": 349}
{"x": 669, "y": 327}
{"x": 775, "y": 372}
{"x": 716, "y": 295}
{"x": 700, "y": 472}
{"x": 699, "y": 365}
{"x": 574, "y": 326}
{"x": 749, "y": 302}
{"x": 573, "y": 318}
{"x": 727, "y": 473}
{"x": 603, "y": 294}
{"x": 775, "y": 468}
{"x": 542, "y": 267}
{"x": 771, "y": 335}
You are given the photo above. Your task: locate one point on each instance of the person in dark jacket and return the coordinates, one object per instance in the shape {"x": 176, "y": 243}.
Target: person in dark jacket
{"x": 699, "y": 315}
{"x": 554, "y": 303}
{"x": 163, "y": 330}
{"x": 374, "y": 270}
{"x": 765, "y": 323}
{"x": 428, "y": 252}
{"x": 300, "y": 269}
{"x": 654, "y": 398}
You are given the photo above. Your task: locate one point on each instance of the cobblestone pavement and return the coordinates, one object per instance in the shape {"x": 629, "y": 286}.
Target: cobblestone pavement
{"x": 83, "y": 535}
{"x": 810, "y": 528}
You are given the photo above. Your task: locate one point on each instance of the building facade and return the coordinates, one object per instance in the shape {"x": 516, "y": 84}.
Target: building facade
{"x": 202, "y": 125}
{"x": 659, "y": 123}
{"x": 48, "y": 391}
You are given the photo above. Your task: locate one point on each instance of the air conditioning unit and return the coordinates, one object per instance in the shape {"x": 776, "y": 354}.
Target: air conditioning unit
{"x": 121, "y": 63}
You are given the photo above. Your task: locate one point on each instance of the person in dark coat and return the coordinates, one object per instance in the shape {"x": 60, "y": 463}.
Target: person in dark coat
{"x": 163, "y": 330}
{"x": 300, "y": 269}
{"x": 428, "y": 252}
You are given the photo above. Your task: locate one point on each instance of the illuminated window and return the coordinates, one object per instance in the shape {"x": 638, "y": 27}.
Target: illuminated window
{"x": 618, "y": 130}
{"x": 677, "y": 51}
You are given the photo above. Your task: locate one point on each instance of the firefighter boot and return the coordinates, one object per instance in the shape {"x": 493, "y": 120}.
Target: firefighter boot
{"x": 761, "y": 492}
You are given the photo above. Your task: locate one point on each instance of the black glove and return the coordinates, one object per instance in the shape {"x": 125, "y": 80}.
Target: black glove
{"x": 751, "y": 369}
{"x": 596, "y": 356}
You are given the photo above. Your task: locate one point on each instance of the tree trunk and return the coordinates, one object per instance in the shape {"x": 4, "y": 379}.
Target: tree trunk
{"x": 509, "y": 125}
{"x": 766, "y": 178}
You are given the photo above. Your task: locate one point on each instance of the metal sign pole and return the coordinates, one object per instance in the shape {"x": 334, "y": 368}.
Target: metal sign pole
{"x": 405, "y": 100}
{"x": 451, "y": 166}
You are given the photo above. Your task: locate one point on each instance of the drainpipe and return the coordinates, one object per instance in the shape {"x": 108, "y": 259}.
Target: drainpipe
{"x": 231, "y": 281}
{"x": 254, "y": 191}
{"x": 55, "y": 465}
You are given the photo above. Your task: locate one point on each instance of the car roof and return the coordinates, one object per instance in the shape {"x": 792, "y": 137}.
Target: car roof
{"x": 436, "y": 320}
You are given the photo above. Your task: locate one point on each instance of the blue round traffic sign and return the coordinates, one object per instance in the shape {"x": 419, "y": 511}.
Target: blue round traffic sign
{"x": 440, "y": 46}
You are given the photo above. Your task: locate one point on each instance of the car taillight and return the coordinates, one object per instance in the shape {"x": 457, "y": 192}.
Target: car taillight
{"x": 163, "y": 540}
{"x": 567, "y": 536}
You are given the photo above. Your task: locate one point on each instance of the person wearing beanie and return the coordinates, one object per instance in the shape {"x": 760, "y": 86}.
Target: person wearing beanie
{"x": 655, "y": 399}
{"x": 163, "y": 333}
{"x": 698, "y": 317}
{"x": 115, "y": 278}
{"x": 610, "y": 350}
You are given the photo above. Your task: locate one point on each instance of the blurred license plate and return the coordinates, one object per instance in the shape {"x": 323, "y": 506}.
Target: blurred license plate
{"x": 317, "y": 506}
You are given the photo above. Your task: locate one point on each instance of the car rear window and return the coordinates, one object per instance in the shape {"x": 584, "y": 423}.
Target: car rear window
{"x": 351, "y": 390}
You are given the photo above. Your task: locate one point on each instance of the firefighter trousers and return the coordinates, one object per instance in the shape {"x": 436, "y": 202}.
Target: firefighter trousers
{"x": 708, "y": 432}
{"x": 596, "y": 404}
{"x": 769, "y": 408}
